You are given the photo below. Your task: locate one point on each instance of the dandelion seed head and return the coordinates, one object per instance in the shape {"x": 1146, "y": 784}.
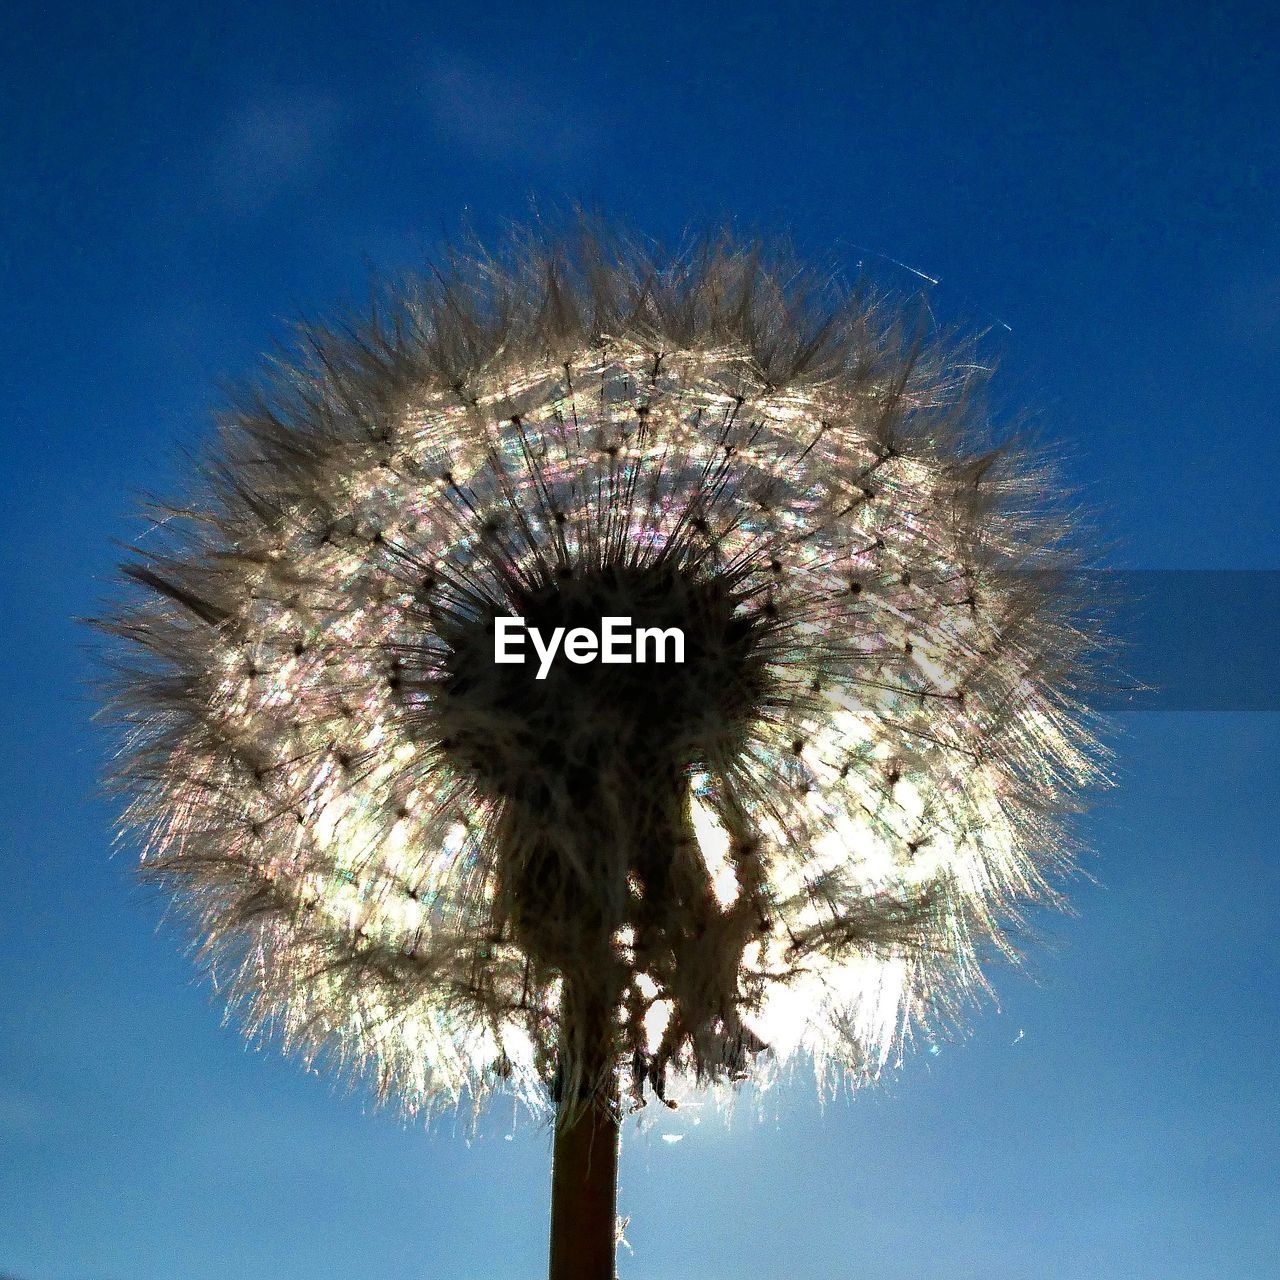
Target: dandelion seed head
{"x": 799, "y": 841}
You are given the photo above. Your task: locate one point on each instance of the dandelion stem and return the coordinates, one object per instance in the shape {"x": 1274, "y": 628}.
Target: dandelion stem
{"x": 584, "y": 1169}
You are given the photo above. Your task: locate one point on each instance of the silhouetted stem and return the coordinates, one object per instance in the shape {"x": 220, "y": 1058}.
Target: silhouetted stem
{"x": 584, "y": 1170}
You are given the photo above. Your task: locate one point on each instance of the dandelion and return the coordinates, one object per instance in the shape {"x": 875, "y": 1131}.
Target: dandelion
{"x": 587, "y": 882}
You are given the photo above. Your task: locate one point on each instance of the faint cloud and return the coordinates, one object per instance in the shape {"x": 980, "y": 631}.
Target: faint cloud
{"x": 478, "y": 109}
{"x": 20, "y": 1114}
{"x": 270, "y": 143}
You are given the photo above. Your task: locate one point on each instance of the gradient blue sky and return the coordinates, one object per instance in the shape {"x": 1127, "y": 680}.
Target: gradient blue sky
{"x": 1098, "y": 182}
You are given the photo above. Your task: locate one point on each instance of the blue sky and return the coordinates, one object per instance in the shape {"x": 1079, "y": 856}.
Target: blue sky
{"x": 1097, "y": 183}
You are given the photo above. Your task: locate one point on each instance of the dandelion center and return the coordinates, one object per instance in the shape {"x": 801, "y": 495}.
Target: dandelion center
{"x": 598, "y": 757}
{"x": 500, "y": 719}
